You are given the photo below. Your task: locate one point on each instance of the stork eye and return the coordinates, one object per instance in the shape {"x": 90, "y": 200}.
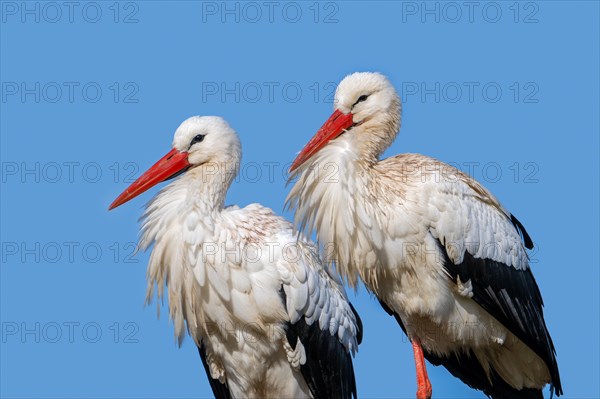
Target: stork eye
{"x": 361, "y": 99}
{"x": 197, "y": 139}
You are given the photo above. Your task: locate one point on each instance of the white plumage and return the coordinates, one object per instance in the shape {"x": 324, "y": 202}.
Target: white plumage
{"x": 268, "y": 319}
{"x": 438, "y": 250}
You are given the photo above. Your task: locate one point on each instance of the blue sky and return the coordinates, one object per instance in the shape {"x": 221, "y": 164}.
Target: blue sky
{"x": 93, "y": 91}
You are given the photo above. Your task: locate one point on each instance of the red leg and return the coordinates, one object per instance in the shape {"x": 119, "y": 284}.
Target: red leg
{"x": 423, "y": 383}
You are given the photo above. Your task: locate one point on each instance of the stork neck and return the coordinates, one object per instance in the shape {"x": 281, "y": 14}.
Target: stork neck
{"x": 208, "y": 185}
{"x": 351, "y": 154}
{"x": 372, "y": 138}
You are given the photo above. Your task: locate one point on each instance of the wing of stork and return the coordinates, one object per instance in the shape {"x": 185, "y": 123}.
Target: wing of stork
{"x": 323, "y": 326}
{"x": 483, "y": 245}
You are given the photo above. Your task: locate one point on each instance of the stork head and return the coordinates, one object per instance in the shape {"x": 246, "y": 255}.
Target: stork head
{"x": 367, "y": 107}
{"x": 198, "y": 141}
{"x": 207, "y": 139}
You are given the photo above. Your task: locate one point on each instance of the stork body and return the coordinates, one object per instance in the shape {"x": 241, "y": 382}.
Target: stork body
{"x": 268, "y": 319}
{"x": 439, "y": 251}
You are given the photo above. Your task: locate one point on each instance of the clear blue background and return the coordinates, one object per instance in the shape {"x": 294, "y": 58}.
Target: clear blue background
{"x": 171, "y": 55}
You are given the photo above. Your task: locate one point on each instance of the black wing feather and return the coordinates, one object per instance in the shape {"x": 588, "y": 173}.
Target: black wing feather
{"x": 328, "y": 370}
{"x": 467, "y": 368}
{"x": 359, "y": 325}
{"x": 521, "y": 229}
{"x": 219, "y": 389}
{"x": 512, "y": 297}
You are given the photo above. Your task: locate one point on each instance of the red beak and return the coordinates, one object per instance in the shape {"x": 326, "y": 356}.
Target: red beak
{"x": 337, "y": 123}
{"x": 168, "y": 166}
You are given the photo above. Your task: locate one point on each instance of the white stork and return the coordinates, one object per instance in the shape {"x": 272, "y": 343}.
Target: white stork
{"x": 439, "y": 251}
{"x": 267, "y": 317}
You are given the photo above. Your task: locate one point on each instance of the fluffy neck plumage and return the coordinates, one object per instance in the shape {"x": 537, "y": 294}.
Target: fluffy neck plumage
{"x": 178, "y": 221}
{"x": 333, "y": 197}
{"x": 202, "y": 189}
{"x": 326, "y": 198}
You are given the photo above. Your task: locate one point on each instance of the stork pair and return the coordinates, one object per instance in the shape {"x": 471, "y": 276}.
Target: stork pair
{"x": 443, "y": 256}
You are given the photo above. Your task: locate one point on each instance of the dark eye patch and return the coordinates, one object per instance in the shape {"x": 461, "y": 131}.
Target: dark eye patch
{"x": 197, "y": 139}
{"x": 361, "y": 99}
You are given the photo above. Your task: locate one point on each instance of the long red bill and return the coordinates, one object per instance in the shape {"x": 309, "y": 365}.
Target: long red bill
{"x": 335, "y": 125}
{"x": 171, "y": 164}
